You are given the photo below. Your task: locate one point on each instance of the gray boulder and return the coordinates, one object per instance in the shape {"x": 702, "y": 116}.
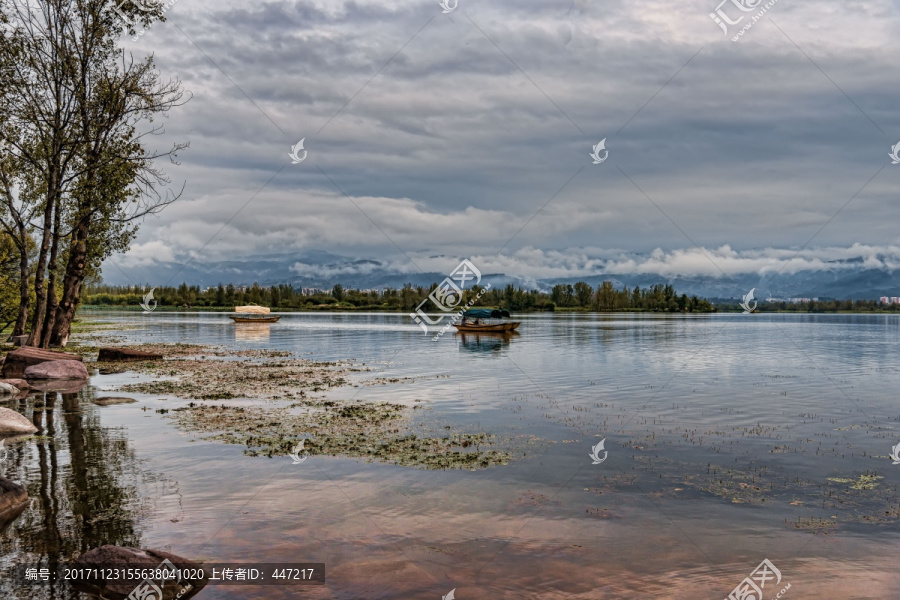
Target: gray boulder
{"x": 12, "y": 422}
{"x": 7, "y": 390}
{"x": 57, "y": 369}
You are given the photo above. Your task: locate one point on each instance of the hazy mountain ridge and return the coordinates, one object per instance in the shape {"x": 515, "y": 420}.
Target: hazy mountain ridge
{"x": 323, "y": 270}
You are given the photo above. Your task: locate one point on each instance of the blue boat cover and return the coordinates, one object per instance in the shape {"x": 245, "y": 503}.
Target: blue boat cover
{"x": 485, "y": 313}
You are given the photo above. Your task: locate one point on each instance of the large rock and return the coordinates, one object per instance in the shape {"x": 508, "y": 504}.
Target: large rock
{"x": 119, "y": 557}
{"x": 20, "y": 359}
{"x": 126, "y": 355}
{"x": 12, "y": 422}
{"x": 57, "y": 369}
{"x": 12, "y": 496}
{"x": 7, "y": 390}
{"x": 20, "y": 384}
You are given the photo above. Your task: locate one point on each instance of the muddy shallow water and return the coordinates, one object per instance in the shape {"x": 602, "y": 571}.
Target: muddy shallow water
{"x": 729, "y": 439}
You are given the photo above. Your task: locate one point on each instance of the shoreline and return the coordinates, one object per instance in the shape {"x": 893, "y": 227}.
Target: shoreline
{"x": 374, "y": 309}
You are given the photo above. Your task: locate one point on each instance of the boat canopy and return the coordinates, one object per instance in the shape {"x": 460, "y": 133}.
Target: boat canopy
{"x": 252, "y": 310}
{"x": 485, "y": 313}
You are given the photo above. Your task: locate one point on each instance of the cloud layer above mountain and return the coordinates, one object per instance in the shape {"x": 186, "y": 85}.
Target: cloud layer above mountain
{"x": 585, "y": 262}
{"x": 468, "y": 134}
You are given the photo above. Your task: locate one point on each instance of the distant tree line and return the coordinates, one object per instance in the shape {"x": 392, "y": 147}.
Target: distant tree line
{"x": 657, "y": 298}
{"x": 580, "y": 296}
{"x": 817, "y": 306}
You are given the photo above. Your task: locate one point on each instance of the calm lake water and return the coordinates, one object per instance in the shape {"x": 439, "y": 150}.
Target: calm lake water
{"x": 730, "y": 439}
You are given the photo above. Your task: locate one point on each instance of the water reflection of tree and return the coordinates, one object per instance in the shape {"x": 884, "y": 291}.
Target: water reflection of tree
{"x": 83, "y": 483}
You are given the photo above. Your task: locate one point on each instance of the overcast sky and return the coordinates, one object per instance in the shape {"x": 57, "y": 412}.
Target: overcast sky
{"x": 432, "y": 136}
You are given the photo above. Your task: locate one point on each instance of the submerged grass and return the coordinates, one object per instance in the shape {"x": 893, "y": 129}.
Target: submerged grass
{"x": 824, "y": 505}
{"x": 373, "y": 431}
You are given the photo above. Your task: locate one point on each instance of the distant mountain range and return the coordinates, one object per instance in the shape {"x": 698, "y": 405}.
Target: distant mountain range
{"x": 842, "y": 280}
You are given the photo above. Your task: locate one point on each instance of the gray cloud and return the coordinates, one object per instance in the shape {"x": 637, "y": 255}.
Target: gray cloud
{"x": 450, "y": 149}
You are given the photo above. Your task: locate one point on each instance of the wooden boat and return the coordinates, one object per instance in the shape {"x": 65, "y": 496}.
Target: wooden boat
{"x": 483, "y": 320}
{"x": 240, "y": 319}
{"x": 255, "y": 314}
{"x": 486, "y": 327}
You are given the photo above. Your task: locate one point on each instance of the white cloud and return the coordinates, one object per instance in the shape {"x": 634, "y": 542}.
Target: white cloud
{"x": 148, "y": 253}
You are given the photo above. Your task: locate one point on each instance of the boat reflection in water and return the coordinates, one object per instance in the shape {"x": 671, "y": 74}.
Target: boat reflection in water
{"x": 486, "y": 342}
{"x": 252, "y": 332}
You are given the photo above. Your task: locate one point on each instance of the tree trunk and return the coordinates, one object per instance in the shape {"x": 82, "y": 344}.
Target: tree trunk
{"x": 40, "y": 292}
{"x": 22, "y": 318}
{"x": 71, "y": 284}
{"x": 52, "y": 303}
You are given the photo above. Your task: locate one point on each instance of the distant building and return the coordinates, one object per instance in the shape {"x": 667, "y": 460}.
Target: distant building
{"x": 313, "y": 291}
{"x": 884, "y": 300}
{"x": 895, "y": 300}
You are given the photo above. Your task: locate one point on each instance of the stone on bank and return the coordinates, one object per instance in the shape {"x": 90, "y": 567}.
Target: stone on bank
{"x": 20, "y": 359}
{"x": 121, "y": 557}
{"x": 12, "y": 423}
{"x": 57, "y": 369}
